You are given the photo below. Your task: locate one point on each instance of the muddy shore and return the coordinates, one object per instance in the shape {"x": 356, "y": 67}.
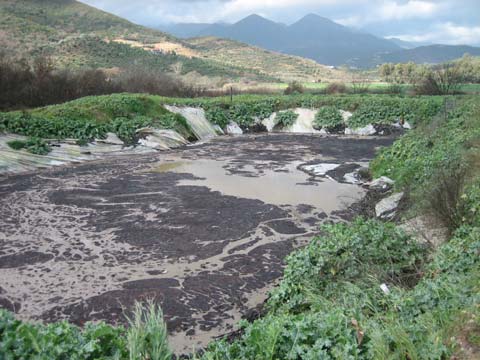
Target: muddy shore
{"x": 202, "y": 229}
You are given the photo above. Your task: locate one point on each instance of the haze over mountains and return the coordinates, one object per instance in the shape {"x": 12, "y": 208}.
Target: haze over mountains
{"x": 322, "y": 40}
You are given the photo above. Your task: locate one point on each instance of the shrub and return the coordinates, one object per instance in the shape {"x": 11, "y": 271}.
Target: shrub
{"x": 444, "y": 196}
{"x": 33, "y": 145}
{"x": 330, "y": 118}
{"x": 287, "y": 118}
{"x": 357, "y": 253}
{"x": 294, "y": 88}
{"x": 218, "y": 116}
{"x": 336, "y": 88}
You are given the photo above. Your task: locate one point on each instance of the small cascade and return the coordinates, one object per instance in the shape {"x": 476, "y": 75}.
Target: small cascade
{"x": 63, "y": 153}
{"x": 270, "y": 122}
{"x": 161, "y": 139}
{"x": 234, "y": 129}
{"x": 304, "y": 122}
{"x": 195, "y": 117}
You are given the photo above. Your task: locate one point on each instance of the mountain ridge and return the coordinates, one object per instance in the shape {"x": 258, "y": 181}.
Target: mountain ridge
{"x": 327, "y": 42}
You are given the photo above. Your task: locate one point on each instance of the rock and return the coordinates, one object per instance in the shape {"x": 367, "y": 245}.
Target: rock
{"x": 426, "y": 230}
{"x": 234, "y": 129}
{"x": 351, "y": 178}
{"x": 323, "y": 132}
{"x": 319, "y": 169}
{"x": 382, "y": 183}
{"x": 386, "y": 209}
{"x": 365, "y": 131}
{"x": 407, "y": 125}
{"x": 111, "y": 139}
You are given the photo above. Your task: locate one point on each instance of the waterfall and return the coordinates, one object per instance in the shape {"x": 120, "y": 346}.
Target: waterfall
{"x": 195, "y": 117}
{"x": 304, "y": 122}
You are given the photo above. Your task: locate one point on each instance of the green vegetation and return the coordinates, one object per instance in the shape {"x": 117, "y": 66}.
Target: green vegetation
{"x": 443, "y": 79}
{"x": 33, "y": 145}
{"x": 330, "y": 303}
{"x": 390, "y": 110}
{"x": 92, "y": 117}
{"x": 330, "y": 118}
{"x": 439, "y": 155}
{"x": 145, "y": 339}
{"x": 286, "y": 118}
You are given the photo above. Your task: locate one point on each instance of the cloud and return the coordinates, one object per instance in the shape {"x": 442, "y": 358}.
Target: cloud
{"x": 446, "y": 33}
{"x": 455, "y": 21}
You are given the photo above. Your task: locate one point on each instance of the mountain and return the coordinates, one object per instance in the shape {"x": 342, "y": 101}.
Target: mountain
{"x": 254, "y": 30}
{"x": 404, "y": 44}
{"x": 185, "y": 30}
{"x": 313, "y": 36}
{"x": 431, "y": 54}
{"x": 76, "y": 35}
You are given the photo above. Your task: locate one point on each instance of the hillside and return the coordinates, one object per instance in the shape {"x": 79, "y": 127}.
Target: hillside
{"x": 77, "y": 35}
{"x": 313, "y": 37}
{"x": 432, "y": 54}
{"x": 284, "y": 67}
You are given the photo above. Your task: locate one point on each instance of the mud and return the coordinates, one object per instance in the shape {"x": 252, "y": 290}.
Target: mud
{"x": 203, "y": 230}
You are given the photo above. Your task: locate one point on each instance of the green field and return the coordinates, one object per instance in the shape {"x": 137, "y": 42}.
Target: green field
{"x": 374, "y": 86}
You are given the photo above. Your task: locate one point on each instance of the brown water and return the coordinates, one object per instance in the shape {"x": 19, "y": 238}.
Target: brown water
{"x": 284, "y": 185}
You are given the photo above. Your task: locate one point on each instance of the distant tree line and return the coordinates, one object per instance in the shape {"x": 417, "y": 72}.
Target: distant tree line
{"x": 37, "y": 83}
{"x": 433, "y": 79}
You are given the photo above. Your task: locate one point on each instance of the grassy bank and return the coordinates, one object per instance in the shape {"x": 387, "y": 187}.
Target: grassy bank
{"x": 92, "y": 117}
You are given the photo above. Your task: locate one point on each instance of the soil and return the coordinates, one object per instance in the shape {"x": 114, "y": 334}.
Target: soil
{"x": 84, "y": 242}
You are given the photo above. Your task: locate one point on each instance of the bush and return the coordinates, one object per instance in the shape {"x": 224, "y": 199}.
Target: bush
{"x": 336, "y": 88}
{"x": 33, "y": 145}
{"x": 286, "y": 119}
{"x": 359, "y": 253}
{"x": 217, "y": 116}
{"x": 330, "y": 118}
{"x": 294, "y": 88}
{"x": 444, "y": 196}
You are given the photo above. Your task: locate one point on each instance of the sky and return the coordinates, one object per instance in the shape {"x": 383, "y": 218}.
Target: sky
{"x": 424, "y": 21}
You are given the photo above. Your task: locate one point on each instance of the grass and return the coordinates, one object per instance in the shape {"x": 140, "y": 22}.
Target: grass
{"x": 146, "y": 338}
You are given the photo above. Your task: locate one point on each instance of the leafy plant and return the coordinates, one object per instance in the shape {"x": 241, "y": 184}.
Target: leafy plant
{"x": 33, "y": 145}
{"x": 218, "y": 116}
{"x": 286, "y": 119}
{"x": 329, "y": 118}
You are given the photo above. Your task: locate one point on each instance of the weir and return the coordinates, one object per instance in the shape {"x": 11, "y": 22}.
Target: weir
{"x": 304, "y": 122}
{"x": 195, "y": 117}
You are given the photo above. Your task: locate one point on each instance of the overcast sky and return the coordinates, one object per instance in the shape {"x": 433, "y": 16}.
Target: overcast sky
{"x": 434, "y": 21}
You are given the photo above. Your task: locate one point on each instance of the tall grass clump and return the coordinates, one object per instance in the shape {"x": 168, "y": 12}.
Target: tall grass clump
{"x": 147, "y": 336}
